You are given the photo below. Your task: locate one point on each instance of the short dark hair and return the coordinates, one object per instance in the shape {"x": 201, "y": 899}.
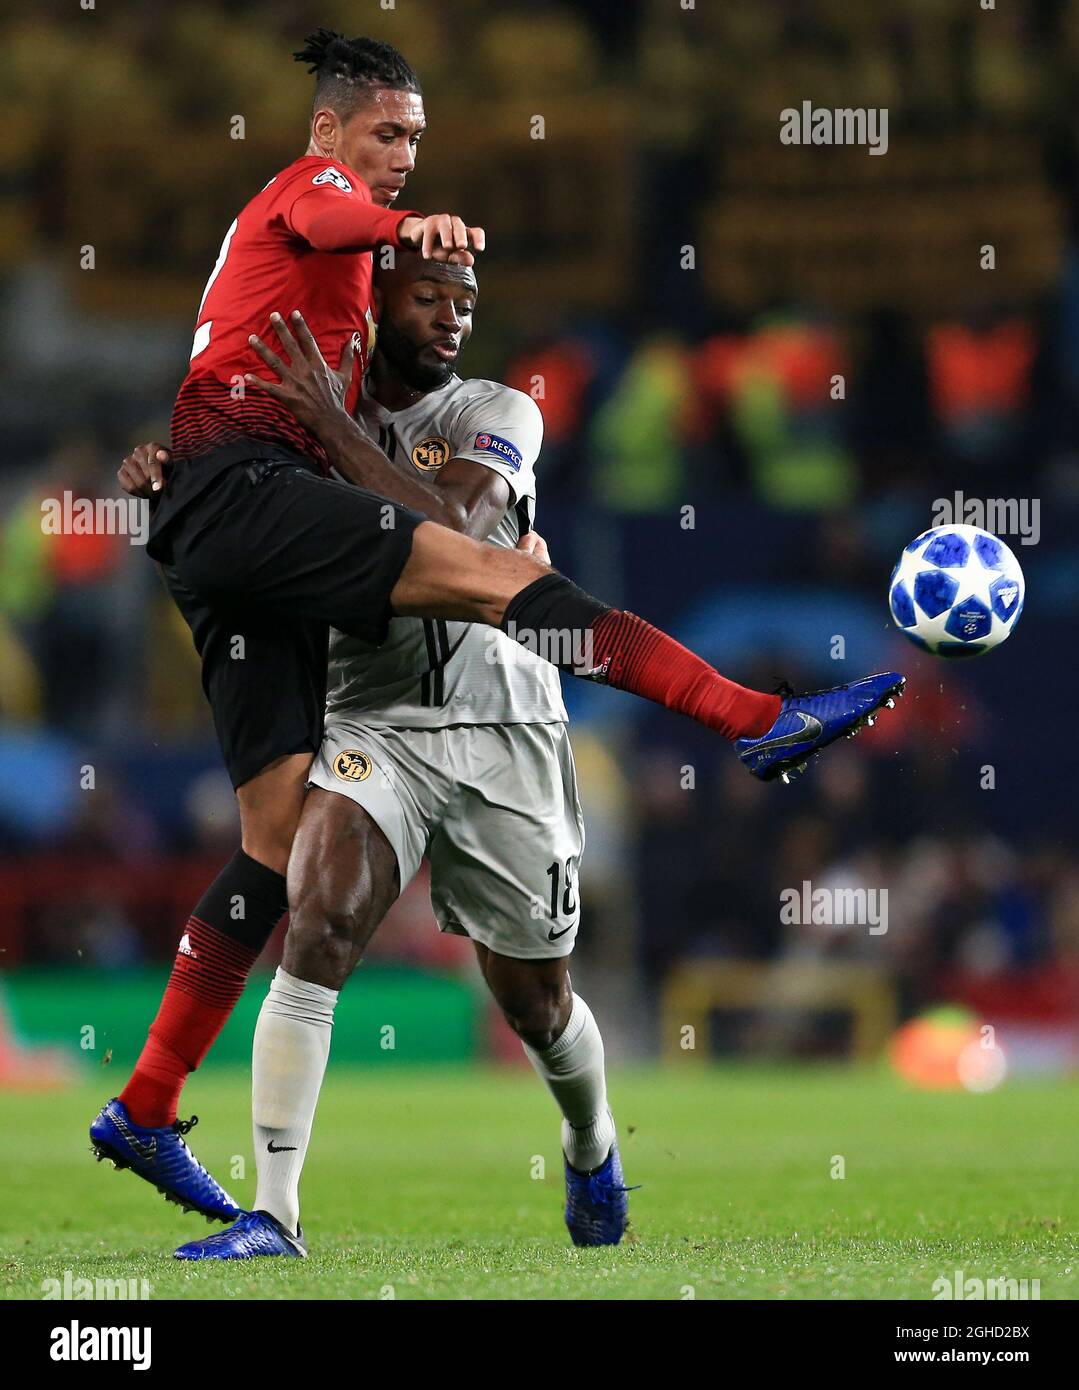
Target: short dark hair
{"x": 346, "y": 69}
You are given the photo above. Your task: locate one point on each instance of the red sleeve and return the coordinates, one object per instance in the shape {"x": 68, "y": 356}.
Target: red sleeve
{"x": 330, "y": 220}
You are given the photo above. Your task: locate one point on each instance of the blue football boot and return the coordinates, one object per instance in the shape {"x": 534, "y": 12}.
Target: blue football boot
{"x": 597, "y": 1207}
{"x": 161, "y": 1157}
{"x": 808, "y": 723}
{"x": 255, "y": 1233}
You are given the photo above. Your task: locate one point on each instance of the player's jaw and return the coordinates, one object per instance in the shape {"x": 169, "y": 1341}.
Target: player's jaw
{"x": 425, "y": 363}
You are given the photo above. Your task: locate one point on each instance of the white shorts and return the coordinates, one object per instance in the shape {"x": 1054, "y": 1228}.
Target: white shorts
{"x": 495, "y": 809}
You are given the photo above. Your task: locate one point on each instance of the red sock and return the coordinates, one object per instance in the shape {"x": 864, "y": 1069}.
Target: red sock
{"x": 645, "y": 661}
{"x": 207, "y": 978}
{"x": 231, "y": 923}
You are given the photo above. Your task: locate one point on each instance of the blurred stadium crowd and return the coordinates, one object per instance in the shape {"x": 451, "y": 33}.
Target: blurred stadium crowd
{"x": 758, "y": 367}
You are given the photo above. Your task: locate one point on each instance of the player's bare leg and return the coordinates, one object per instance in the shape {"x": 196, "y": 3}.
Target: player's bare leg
{"x": 342, "y": 881}
{"x": 270, "y": 805}
{"x": 563, "y": 1043}
{"x": 449, "y": 575}
{"x": 535, "y": 996}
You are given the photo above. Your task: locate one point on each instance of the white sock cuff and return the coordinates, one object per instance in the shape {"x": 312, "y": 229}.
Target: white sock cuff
{"x": 579, "y": 1019}
{"x": 291, "y": 997}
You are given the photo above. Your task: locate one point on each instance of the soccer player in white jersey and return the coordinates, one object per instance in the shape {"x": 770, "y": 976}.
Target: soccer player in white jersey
{"x": 448, "y": 740}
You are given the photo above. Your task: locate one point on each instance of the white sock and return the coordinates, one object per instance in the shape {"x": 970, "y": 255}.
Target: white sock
{"x": 292, "y": 1044}
{"x": 573, "y": 1070}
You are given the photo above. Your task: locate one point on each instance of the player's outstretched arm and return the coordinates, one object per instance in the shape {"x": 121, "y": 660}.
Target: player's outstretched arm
{"x": 349, "y": 224}
{"x": 467, "y": 497}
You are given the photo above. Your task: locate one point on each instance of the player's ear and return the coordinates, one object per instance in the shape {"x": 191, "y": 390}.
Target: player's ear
{"x": 324, "y": 128}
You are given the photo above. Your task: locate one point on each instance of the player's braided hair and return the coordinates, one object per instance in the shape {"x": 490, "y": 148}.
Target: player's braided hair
{"x": 347, "y": 68}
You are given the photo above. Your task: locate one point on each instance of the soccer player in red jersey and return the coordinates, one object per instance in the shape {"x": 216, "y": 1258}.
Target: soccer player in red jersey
{"x": 263, "y": 553}
{"x": 306, "y": 238}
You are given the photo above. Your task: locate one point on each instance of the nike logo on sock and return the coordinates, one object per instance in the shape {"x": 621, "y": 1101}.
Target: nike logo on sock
{"x": 273, "y": 1148}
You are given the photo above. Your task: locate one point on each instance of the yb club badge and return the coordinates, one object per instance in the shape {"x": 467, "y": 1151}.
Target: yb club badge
{"x": 431, "y": 453}
{"x": 352, "y": 766}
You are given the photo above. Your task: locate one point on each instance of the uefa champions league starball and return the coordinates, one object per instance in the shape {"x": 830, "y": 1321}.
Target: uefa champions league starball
{"x": 957, "y": 591}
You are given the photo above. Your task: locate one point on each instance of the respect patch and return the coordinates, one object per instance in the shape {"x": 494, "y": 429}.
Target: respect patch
{"x": 495, "y": 444}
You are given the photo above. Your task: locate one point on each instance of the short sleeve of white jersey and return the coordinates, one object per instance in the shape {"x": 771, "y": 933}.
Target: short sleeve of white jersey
{"x": 502, "y": 429}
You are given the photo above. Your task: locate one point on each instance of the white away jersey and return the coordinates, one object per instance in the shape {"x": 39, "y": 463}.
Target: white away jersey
{"x": 431, "y": 673}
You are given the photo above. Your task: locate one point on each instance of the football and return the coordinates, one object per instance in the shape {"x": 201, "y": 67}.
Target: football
{"x": 957, "y": 591}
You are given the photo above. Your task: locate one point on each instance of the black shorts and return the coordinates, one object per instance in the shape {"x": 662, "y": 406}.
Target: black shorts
{"x": 262, "y": 559}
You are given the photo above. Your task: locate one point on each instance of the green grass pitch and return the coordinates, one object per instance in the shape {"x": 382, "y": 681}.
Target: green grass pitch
{"x": 421, "y": 1185}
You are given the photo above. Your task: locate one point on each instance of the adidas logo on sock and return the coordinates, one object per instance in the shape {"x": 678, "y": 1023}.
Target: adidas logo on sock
{"x": 185, "y": 947}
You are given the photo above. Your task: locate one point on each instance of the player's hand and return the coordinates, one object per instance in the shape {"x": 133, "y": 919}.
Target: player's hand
{"x": 532, "y": 543}
{"x": 306, "y": 384}
{"x": 442, "y": 237}
{"x": 142, "y": 472}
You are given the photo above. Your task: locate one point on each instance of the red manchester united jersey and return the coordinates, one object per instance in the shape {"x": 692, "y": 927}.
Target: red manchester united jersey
{"x": 303, "y": 243}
